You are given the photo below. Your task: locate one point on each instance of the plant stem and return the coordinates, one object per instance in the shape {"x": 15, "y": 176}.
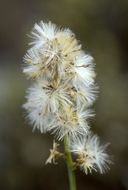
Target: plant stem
{"x": 70, "y": 165}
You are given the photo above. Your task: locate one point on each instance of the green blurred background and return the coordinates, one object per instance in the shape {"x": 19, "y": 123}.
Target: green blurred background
{"x": 102, "y": 28}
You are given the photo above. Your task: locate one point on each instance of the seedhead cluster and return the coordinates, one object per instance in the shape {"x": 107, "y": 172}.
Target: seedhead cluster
{"x": 62, "y": 93}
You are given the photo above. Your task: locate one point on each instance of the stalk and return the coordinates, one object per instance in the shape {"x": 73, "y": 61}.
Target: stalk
{"x": 70, "y": 165}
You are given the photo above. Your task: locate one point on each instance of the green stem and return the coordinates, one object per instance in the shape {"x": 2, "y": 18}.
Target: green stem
{"x": 70, "y": 165}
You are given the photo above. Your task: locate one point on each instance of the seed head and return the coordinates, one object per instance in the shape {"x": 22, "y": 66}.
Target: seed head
{"x": 91, "y": 154}
{"x": 64, "y": 84}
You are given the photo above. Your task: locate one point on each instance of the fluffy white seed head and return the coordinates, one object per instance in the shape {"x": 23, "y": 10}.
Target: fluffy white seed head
{"x": 71, "y": 122}
{"x": 91, "y": 154}
{"x": 64, "y": 85}
{"x": 37, "y": 107}
{"x": 64, "y": 89}
{"x": 52, "y": 48}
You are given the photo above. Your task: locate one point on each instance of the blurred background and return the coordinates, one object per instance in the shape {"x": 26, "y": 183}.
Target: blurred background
{"x": 102, "y": 28}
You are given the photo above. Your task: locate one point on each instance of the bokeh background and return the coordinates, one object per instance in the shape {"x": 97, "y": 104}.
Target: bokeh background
{"x": 102, "y": 28}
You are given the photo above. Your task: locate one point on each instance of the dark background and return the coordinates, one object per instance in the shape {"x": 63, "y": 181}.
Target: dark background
{"x": 102, "y": 28}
